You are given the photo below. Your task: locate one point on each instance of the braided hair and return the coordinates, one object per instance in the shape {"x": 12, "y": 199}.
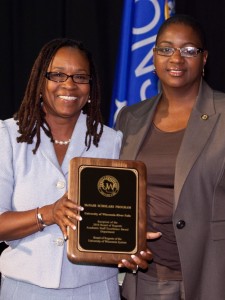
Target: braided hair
{"x": 31, "y": 117}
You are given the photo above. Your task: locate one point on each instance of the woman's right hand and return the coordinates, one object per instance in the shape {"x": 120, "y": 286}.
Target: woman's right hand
{"x": 65, "y": 213}
{"x": 19, "y": 224}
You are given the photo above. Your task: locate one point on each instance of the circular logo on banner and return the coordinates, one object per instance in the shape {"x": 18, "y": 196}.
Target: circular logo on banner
{"x": 108, "y": 186}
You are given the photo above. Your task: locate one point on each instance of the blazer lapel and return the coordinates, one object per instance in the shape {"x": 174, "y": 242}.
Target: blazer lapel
{"x": 47, "y": 149}
{"x": 201, "y": 123}
{"x": 77, "y": 144}
{"x": 76, "y": 147}
{"x": 137, "y": 133}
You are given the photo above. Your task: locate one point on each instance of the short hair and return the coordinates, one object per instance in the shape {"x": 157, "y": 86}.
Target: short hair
{"x": 31, "y": 117}
{"x": 186, "y": 20}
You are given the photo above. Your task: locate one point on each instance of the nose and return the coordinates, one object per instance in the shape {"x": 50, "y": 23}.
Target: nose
{"x": 69, "y": 82}
{"x": 177, "y": 55}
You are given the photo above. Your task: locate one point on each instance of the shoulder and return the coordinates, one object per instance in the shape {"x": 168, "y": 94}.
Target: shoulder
{"x": 139, "y": 109}
{"x": 218, "y": 95}
{"x": 8, "y": 127}
{"x": 8, "y": 133}
{"x": 210, "y": 101}
{"x": 109, "y": 144}
{"x": 111, "y": 136}
{"x": 111, "y": 132}
{"x": 209, "y": 92}
{"x": 219, "y": 101}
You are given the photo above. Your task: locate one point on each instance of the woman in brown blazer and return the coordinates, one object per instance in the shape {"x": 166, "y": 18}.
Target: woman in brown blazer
{"x": 180, "y": 135}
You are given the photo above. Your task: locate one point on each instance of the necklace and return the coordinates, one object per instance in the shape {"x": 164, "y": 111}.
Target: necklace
{"x": 62, "y": 142}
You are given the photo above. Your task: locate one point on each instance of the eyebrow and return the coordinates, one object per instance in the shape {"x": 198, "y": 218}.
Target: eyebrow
{"x": 62, "y": 69}
{"x": 186, "y": 44}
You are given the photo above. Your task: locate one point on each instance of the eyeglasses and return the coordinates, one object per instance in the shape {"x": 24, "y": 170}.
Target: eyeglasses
{"x": 185, "y": 51}
{"x": 62, "y": 77}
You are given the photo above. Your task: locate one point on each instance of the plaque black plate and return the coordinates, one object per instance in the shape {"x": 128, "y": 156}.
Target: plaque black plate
{"x": 114, "y": 216}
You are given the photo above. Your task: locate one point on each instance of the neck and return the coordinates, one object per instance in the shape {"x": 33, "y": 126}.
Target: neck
{"x": 61, "y": 128}
{"x": 179, "y": 97}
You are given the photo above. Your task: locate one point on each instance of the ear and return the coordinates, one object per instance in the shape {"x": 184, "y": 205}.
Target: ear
{"x": 153, "y": 57}
{"x": 205, "y": 56}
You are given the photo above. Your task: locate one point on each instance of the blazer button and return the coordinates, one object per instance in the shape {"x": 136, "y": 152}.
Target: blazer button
{"x": 59, "y": 242}
{"x": 60, "y": 184}
{"x": 180, "y": 224}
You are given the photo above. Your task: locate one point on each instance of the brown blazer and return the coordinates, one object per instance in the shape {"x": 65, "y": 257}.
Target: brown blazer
{"x": 199, "y": 204}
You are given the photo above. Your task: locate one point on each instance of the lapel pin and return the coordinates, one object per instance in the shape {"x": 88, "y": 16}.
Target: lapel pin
{"x": 204, "y": 117}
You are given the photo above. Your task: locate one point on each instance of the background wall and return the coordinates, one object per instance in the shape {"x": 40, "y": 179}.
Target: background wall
{"x": 25, "y": 26}
{"x": 211, "y": 14}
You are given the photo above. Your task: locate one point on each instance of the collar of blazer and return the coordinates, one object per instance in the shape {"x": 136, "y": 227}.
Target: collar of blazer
{"x": 134, "y": 122}
{"x": 200, "y": 126}
{"x": 76, "y": 146}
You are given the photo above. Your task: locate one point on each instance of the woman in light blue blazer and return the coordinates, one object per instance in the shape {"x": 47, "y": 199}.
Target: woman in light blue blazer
{"x": 59, "y": 119}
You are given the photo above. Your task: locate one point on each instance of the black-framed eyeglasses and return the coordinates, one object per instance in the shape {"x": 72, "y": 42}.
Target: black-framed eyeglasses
{"x": 185, "y": 51}
{"x": 62, "y": 77}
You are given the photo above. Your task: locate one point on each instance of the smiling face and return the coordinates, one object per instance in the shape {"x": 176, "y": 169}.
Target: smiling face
{"x": 66, "y": 99}
{"x": 178, "y": 71}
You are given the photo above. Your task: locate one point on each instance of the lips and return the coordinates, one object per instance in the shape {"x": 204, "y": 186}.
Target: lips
{"x": 176, "y": 72}
{"x": 68, "y": 98}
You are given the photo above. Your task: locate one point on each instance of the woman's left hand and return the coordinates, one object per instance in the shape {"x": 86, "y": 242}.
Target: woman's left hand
{"x": 142, "y": 260}
{"x": 137, "y": 261}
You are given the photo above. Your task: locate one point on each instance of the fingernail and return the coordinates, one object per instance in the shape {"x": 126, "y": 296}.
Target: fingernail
{"x": 74, "y": 227}
{"x": 133, "y": 256}
{"x": 80, "y": 218}
{"x": 142, "y": 252}
{"x": 65, "y": 238}
{"x": 81, "y": 208}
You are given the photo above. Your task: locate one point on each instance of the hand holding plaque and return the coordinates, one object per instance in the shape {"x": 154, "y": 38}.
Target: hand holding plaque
{"x": 113, "y": 194}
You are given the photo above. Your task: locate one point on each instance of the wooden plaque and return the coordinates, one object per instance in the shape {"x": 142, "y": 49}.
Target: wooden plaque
{"x": 113, "y": 194}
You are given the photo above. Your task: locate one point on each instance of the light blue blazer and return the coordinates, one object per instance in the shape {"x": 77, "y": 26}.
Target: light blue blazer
{"x": 28, "y": 181}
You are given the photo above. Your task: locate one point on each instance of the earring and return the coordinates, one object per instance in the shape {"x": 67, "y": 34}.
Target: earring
{"x": 40, "y": 96}
{"x": 203, "y": 72}
{"x": 89, "y": 100}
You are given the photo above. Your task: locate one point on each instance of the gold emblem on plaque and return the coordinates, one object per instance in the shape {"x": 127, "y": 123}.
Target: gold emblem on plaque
{"x": 108, "y": 186}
